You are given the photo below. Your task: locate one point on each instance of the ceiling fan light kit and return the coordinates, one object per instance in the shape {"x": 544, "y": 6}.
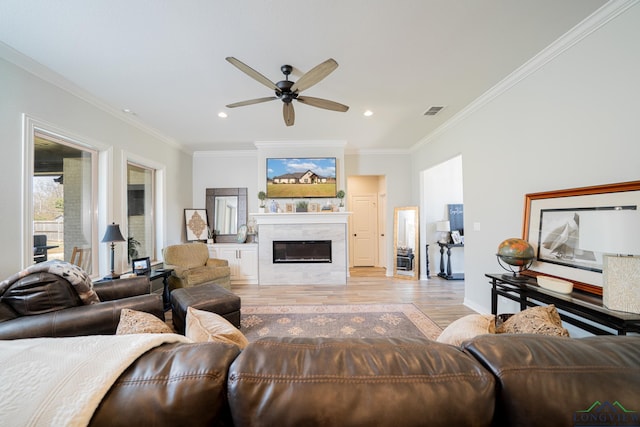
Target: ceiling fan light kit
{"x": 287, "y": 90}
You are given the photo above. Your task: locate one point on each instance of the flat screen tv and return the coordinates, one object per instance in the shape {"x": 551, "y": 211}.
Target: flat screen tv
{"x": 301, "y": 177}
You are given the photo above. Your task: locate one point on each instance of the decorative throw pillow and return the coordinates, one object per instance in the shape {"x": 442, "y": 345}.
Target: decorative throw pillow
{"x": 468, "y": 327}
{"x": 139, "y": 322}
{"x": 543, "y": 320}
{"x": 204, "y": 326}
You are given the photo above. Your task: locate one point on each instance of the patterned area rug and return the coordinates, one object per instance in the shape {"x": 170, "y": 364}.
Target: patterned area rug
{"x": 337, "y": 321}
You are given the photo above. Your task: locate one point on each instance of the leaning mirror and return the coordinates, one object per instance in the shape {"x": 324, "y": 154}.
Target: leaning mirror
{"x": 227, "y": 211}
{"x": 405, "y": 243}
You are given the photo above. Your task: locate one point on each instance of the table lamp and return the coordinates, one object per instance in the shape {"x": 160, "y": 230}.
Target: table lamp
{"x": 615, "y": 232}
{"x": 443, "y": 227}
{"x": 112, "y": 235}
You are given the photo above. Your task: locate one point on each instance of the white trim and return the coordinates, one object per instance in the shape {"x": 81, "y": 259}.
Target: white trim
{"x": 378, "y": 152}
{"x": 30, "y": 126}
{"x": 225, "y": 153}
{"x": 296, "y": 144}
{"x": 590, "y": 24}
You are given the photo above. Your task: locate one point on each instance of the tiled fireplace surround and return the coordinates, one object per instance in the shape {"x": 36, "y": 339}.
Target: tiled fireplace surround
{"x": 302, "y": 226}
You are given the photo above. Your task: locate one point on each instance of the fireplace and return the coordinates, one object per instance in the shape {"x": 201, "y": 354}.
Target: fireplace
{"x": 330, "y": 228}
{"x": 301, "y": 251}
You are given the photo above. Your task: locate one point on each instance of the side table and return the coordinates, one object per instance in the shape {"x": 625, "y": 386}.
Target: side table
{"x": 163, "y": 273}
{"x": 448, "y": 275}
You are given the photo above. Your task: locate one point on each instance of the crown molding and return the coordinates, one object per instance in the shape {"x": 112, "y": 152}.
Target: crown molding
{"x": 224, "y": 153}
{"x": 590, "y": 24}
{"x": 378, "y": 152}
{"x": 296, "y": 144}
{"x": 35, "y": 68}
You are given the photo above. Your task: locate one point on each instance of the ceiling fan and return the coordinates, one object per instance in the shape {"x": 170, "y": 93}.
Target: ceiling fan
{"x": 287, "y": 90}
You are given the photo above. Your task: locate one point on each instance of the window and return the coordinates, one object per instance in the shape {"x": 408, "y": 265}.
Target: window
{"x": 63, "y": 200}
{"x": 140, "y": 211}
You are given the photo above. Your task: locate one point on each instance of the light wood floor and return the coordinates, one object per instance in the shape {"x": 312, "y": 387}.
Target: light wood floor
{"x": 439, "y": 299}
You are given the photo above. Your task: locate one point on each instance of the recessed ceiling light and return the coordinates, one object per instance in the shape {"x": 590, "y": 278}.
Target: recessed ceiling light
{"x": 368, "y": 113}
{"x": 128, "y": 111}
{"x": 222, "y": 115}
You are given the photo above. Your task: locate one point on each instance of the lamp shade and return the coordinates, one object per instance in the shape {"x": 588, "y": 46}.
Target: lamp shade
{"x": 113, "y": 234}
{"x": 610, "y": 231}
{"x": 443, "y": 226}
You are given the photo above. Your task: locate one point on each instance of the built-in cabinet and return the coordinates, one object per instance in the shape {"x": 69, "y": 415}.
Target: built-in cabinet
{"x": 242, "y": 258}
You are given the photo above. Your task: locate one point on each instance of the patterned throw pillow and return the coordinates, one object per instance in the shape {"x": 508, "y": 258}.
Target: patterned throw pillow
{"x": 138, "y": 322}
{"x": 468, "y": 327}
{"x": 204, "y": 326}
{"x": 543, "y": 320}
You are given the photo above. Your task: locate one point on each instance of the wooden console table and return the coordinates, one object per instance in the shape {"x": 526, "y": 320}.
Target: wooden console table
{"x": 448, "y": 275}
{"x": 586, "y": 309}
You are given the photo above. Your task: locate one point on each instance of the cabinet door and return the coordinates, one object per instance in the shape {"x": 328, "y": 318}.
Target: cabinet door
{"x": 231, "y": 255}
{"x": 248, "y": 263}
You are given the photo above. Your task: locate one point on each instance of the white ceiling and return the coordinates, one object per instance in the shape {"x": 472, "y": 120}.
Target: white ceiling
{"x": 165, "y": 60}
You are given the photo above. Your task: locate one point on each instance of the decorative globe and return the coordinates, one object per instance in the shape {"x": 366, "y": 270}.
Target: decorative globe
{"x": 517, "y": 254}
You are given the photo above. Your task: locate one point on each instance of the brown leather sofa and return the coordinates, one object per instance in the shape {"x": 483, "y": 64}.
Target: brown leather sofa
{"x": 492, "y": 380}
{"x": 45, "y": 305}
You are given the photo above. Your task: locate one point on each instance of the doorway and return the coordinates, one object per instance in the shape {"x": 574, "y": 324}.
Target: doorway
{"x": 441, "y": 185}
{"x": 367, "y": 236}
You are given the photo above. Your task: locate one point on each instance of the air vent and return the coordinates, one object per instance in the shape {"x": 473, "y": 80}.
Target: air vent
{"x": 432, "y": 111}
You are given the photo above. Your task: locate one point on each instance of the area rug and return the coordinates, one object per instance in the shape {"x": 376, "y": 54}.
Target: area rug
{"x": 336, "y": 321}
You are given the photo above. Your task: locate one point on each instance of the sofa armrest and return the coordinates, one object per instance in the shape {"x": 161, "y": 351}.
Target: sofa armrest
{"x": 122, "y": 288}
{"x": 171, "y": 385}
{"x": 215, "y": 262}
{"x": 94, "y": 319}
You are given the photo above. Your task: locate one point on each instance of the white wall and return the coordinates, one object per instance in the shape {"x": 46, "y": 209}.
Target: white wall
{"x": 571, "y": 123}
{"x": 25, "y": 93}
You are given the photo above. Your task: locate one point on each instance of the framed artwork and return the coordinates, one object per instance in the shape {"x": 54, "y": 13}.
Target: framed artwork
{"x": 141, "y": 266}
{"x": 564, "y": 227}
{"x": 290, "y": 207}
{"x": 456, "y": 237}
{"x": 196, "y": 224}
{"x": 314, "y": 207}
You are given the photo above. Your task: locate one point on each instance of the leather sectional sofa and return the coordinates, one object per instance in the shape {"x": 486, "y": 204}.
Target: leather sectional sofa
{"x": 499, "y": 380}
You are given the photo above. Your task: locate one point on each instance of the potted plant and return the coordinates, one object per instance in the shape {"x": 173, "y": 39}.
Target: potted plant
{"x": 340, "y": 195}
{"x": 262, "y": 196}
{"x": 301, "y": 206}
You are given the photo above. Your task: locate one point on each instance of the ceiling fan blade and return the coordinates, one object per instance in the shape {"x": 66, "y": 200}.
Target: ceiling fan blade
{"x": 323, "y": 103}
{"x": 288, "y": 113}
{"x": 252, "y": 73}
{"x": 314, "y": 75}
{"x": 251, "y": 102}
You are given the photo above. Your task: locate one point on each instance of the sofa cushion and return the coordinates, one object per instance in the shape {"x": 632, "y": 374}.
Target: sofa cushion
{"x": 468, "y": 327}
{"x": 204, "y": 326}
{"x": 39, "y": 293}
{"x": 546, "y": 380}
{"x": 543, "y": 320}
{"x": 358, "y": 382}
{"x": 138, "y": 322}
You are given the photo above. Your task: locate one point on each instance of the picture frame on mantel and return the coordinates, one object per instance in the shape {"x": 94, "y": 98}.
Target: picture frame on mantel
{"x": 565, "y": 207}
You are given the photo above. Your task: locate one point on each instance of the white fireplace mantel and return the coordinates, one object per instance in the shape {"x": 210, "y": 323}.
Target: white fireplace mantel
{"x": 301, "y": 218}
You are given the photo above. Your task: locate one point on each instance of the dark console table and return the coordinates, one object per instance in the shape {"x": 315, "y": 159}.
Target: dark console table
{"x": 587, "y": 311}
{"x": 448, "y": 275}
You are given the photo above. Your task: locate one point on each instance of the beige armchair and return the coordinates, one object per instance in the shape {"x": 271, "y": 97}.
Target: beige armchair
{"x": 192, "y": 266}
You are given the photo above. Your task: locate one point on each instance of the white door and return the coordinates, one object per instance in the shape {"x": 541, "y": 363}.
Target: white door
{"x": 364, "y": 241}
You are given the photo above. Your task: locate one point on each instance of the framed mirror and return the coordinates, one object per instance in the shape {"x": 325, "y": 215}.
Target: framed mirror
{"x": 405, "y": 243}
{"x": 227, "y": 211}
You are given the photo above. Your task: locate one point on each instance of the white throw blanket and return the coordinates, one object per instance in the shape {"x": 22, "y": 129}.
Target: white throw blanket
{"x": 61, "y": 381}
